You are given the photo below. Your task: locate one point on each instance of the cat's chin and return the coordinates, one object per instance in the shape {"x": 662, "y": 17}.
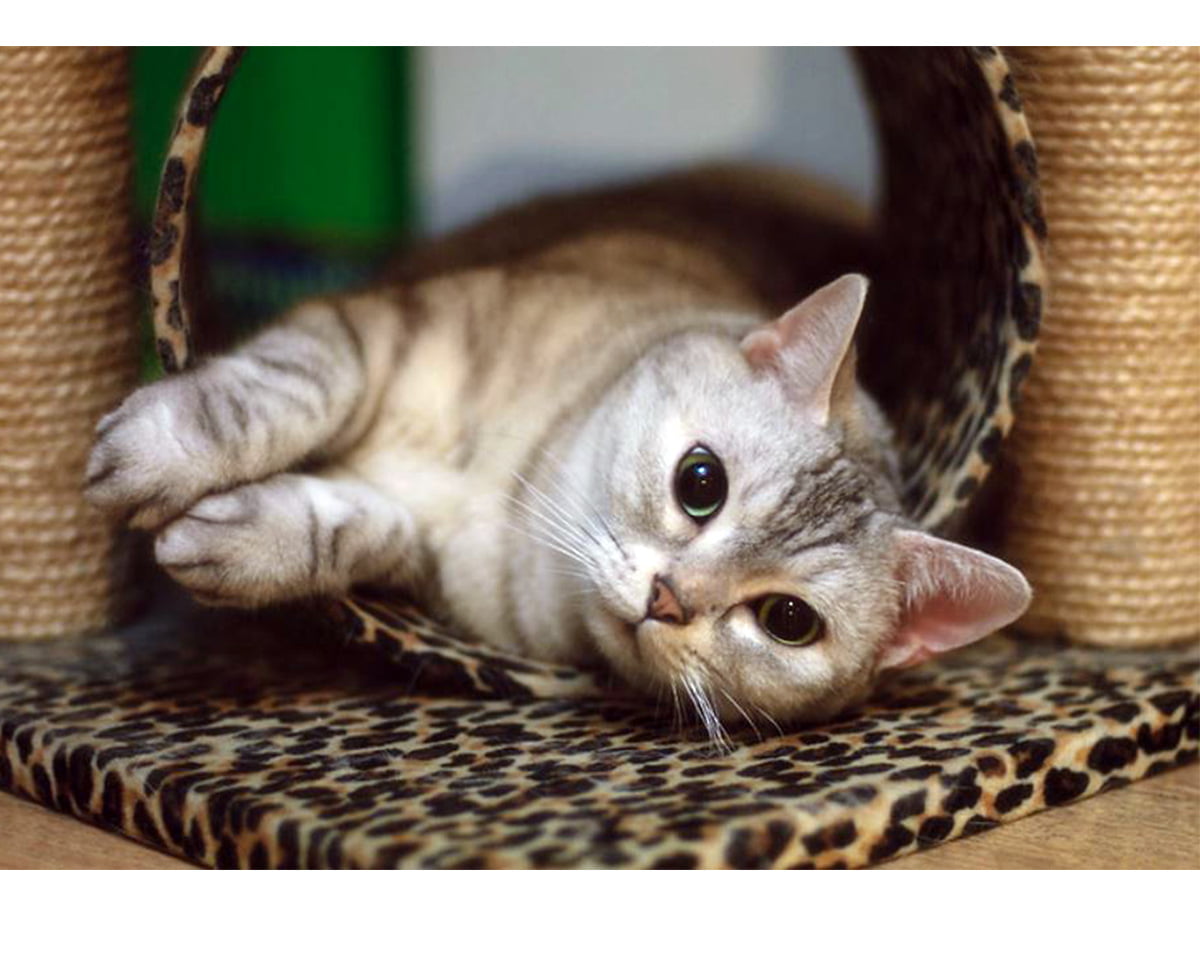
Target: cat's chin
{"x": 632, "y": 650}
{"x": 619, "y": 644}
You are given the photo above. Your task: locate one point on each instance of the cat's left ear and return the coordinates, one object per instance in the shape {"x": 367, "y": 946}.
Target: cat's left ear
{"x": 952, "y": 595}
{"x": 810, "y": 345}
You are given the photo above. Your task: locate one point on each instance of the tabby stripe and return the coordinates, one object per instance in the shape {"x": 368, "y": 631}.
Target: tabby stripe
{"x": 312, "y": 414}
{"x": 401, "y": 568}
{"x": 314, "y": 544}
{"x": 240, "y": 416}
{"x": 335, "y": 543}
{"x": 228, "y": 522}
{"x": 833, "y": 537}
{"x": 105, "y": 427}
{"x": 826, "y": 465}
{"x": 508, "y": 589}
{"x": 207, "y": 420}
{"x": 189, "y": 565}
{"x": 356, "y": 342}
{"x": 212, "y": 596}
{"x": 99, "y": 476}
{"x": 298, "y": 370}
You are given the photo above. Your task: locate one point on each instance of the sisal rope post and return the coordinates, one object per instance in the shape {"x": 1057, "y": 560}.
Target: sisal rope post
{"x": 68, "y": 331}
{"x": 1107, "y": 444}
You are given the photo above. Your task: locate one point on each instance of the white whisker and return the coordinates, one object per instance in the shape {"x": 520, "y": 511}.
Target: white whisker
{"x": 553, "y": 544}
{"x": 774, "y": 723}
{"x": 565, "y": 517}
{"x": 706, "y": 711}
{"x": 678, "y": 725}
{"x": 562, "y": 528}
{"x": 583, "y": 551}
{"x": 588, "y": 510}
{"x": 738, "y": 707}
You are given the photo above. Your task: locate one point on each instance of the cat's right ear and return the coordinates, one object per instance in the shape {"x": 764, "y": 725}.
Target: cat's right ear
{"x": 810, "y": 346}
{"x": 951, "y": 596}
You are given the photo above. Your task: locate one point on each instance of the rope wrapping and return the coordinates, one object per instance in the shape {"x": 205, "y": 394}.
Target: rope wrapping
{"x": 1107, "y": 446}
{"x": 68, "y": 331}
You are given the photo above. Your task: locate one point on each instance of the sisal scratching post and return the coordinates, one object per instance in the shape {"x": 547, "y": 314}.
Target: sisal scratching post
{"x": 1108, "y": 440}
{"x": 68, "y": 330}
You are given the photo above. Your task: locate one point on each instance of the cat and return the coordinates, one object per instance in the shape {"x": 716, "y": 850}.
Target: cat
{"x": 587, "y": 431}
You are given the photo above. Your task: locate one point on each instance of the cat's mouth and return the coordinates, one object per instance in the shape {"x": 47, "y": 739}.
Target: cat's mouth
{"x": 628, "y": 630}
{"x": 616, "y": 634}
{"x": 643, "y": 640}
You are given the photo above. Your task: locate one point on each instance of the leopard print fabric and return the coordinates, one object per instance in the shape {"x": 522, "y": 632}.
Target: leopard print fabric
{"x": 402, "y": 633}
{"x": 172, "y": 324}
{"x": 964, "y": 278}
{"x": 241, "y": 746}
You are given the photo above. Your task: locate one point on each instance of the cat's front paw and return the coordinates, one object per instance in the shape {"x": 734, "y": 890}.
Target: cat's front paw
{"x": 149, "y": 462}
{"x": 248, "y": 547}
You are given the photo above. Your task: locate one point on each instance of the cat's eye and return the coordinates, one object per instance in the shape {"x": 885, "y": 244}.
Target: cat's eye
{"x": 787, "y": 619}
{"x": 700, "y": 484}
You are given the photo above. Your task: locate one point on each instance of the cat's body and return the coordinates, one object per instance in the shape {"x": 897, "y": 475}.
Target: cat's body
{"x": 519, "y": 427}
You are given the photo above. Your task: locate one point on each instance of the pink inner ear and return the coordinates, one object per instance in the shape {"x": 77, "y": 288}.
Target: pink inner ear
{"x": 937, "y": 626}
{"x": 953, "y": 596}
{"x": 761, "y": 347}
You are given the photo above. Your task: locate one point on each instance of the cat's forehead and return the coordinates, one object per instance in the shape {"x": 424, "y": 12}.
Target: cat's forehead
{"x": 709, "y": 394}
{"x": 830, "y": 503}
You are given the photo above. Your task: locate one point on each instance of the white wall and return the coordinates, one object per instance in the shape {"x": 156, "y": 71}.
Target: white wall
{"x": 499, "y": 124}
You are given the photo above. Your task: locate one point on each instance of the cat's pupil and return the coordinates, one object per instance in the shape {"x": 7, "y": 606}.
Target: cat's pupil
{"x": 788, "y": 619}
{"x": 700, "y": 484}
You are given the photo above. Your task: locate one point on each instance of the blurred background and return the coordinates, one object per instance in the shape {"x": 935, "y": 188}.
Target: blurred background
{"x": 322, "y": 161}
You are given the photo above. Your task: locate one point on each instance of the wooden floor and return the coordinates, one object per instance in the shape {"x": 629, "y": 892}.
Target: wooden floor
{"x": 1153, "y": 824}
{"x": 33, "y": 838}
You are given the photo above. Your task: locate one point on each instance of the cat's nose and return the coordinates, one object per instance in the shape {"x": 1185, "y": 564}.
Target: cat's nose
{"x": 664, "y": 604}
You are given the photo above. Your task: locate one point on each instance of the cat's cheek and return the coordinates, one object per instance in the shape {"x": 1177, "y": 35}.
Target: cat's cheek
{"x": 801, "y": 685}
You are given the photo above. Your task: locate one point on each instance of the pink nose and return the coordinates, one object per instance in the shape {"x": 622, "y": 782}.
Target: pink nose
{"x": 664, "y": 604}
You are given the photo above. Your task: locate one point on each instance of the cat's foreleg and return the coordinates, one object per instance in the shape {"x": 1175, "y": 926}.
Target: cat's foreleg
{"x": 304, "y": 387}
{"x": 287, "y": 537}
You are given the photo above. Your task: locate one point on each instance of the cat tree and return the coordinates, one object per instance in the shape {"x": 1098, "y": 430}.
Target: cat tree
{"x": 1099, "y": 498}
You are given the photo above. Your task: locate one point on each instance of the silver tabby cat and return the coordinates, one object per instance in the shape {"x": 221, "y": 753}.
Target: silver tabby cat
{"x": 596, "y": 430}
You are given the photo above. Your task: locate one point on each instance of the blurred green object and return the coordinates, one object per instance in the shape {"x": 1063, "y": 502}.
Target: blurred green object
{"x": 307, "y": 179}
{"x": 311, "y": 144}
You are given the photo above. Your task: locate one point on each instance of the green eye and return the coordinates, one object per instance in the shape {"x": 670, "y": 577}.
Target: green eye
{"x": 700, "y": 484}
{"x": 787, "y": 619}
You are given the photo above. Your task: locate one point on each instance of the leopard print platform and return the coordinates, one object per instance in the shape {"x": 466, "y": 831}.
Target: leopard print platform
{"x": 238, "y": 746}
{"x": 383, "y": 740}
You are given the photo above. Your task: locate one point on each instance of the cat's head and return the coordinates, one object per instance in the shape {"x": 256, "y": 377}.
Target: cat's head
{"x": 740, "y": 535}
